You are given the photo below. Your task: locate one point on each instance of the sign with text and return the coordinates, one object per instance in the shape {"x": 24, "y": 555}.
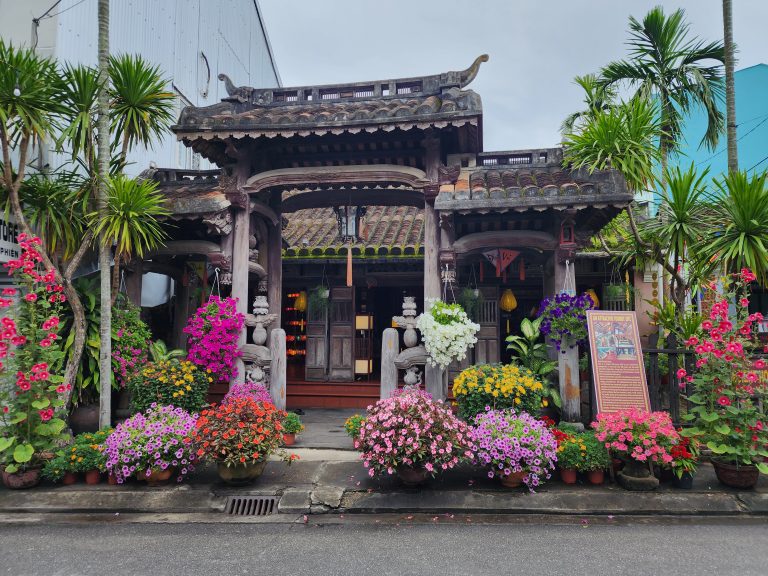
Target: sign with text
{"x": 9, "y": 237}
{"x": 617, "y": 361}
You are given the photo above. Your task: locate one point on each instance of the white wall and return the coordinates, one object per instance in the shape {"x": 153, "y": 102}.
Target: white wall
{"x": 173, "y": 34}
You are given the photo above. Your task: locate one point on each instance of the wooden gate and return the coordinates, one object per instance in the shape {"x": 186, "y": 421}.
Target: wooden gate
{"x": 342, "y": 321}
{"x": 316, "y": 366}
{"x": 487, "y": 347}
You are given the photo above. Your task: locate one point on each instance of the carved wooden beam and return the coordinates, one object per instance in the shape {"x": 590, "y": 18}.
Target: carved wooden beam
{"x": 504, "y": 239}
{"x": 366, "y": 197}
{"x": 264, "y": 210}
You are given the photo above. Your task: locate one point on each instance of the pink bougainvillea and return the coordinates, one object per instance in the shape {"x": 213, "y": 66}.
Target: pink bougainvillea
{"x": 213, "y": 333}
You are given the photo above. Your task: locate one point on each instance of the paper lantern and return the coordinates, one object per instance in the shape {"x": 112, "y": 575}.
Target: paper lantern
{"x": 592, "y": 294}
{"x": 508, "y": 301}
{"x": 301, "y": 302}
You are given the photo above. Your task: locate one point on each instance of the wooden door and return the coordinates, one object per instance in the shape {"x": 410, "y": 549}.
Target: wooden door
{"x": 341, "y": 367}
{"x": 316, "y": 359}
{"x": 487, "y": 347}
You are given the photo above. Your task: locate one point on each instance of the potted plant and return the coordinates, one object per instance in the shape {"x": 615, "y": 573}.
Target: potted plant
{"x": 291, "y": 427}
{"x": 470, "y": 299}
{"x": 516, "y": 448}
{"x": 447, "y": 332}
{"x": 499, "y": 386}
{"x": 170, "y": 382}
{"x": 130, "y": 341}
{"x": 254, "y": 390}
{"x": 31, "y": 400}
{"x": 240, "y": 435}
{"x": 353, "y": 424}
{"x": 88, "y": 456}
{"x": 213, "y": 332}
{"x": 638, "y": 438}
{"x": 596, "y": 458}
{"x": 153, "y": 445}
{"x": 570, "y": 454}
{"x": 564, "y": 319}
{"x": 685, "y": 458}
{"x": 413, "y": 436}
{"x": 60, "y": 469}
{"x": 727, "y": 394}
{"x": 318, "y": 299}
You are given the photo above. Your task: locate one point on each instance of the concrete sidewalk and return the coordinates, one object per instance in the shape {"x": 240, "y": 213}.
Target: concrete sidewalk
{"x": 334, "y": 481}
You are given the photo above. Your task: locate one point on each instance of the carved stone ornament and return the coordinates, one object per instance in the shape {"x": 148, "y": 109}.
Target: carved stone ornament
{"x": 448, "y": 174}
{"x": 221, "y": 261}
{"x": 226, "y": 279}
{"x": 408, "y": 321}
{"x": 412, "y": 376}
{"x": 219, "y": 223}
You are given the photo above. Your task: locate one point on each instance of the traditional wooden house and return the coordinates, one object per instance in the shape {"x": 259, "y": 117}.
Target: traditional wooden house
{"x": 335, "y": 201}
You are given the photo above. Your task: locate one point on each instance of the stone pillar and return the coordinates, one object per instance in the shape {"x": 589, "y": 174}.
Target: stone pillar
{"x": 433, "y": 375}
{"x": 181, "y": 314}
{"x": 390, "y": 347}
{"x": 240, "y": 275}
{"x": 568, "y": 358}
{"x": 277, "y": 378}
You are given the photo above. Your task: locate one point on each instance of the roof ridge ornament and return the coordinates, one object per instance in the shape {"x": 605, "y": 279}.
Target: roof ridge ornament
{"x": 239, "y": 93}
{"x": 466, "y": 76}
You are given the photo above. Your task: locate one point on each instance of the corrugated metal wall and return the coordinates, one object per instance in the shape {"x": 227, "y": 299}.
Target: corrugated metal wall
{"x": 191, "y": 40}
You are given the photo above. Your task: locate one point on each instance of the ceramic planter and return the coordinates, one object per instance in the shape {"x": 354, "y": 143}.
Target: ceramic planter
{"x": 242, "y": 474}
{"x": 160, "y": 477}
{"x": 637, "y": 477}
{"x": 84, "y": 418}
{"x": 596, "y": 477}
{"x": 736, "y": 475}
{"x": 412, "y": 476}
{"x": 568, "y": 475}
{"x": 92, "y": 477}
{"x": 69, "y": 478}
{"x": 515, "y": 480}
{"x": 21, "y": 480}
{"x": 289, "y": 439}
{"x": 685, "y": 482}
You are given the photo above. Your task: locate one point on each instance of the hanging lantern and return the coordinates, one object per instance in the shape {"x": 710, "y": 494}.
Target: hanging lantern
{"x": 593, "y": 295}
{"x": 348, "y": 220}
{"x": 300, "y": 304}
{"x": 508, "y": 301}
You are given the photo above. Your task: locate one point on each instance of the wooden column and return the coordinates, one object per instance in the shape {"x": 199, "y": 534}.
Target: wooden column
{"x": 390, "y": 348}
{"x": 240, "y": 232}
{"x": 180, "y": 316}
{"x": 568, "y": 358}
{"x": 275, "y": 270}
{"x": 277, "y": 376}
{"x": 433, "y": 375}
{"x": 133, "y": 282}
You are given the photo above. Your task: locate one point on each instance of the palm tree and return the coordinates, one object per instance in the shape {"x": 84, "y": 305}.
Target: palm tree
{"x": 102, "y": 198}
{"x": 741, "y": 206}
{"x": 668, "y": 65}
{"x": 730, "y": 86}
{"x": 598, "y": 97}
{"x": 131, "y": 223}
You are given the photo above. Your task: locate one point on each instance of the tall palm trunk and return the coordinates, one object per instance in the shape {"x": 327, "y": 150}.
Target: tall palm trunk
{"x": 730, "y": 88}
{"x": 102, "y": 123}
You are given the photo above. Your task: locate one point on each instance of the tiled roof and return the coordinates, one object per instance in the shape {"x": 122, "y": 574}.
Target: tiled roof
{"x": 504, "y": 188}
{"x": 422, "y": 102}
{"x": 386, "y": 232}
{"x": 190, "y": 193}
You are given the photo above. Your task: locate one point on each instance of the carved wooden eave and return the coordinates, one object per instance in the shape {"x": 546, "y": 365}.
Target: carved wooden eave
{"x": 337, "y": 176}
{"x": 503, "y": 239}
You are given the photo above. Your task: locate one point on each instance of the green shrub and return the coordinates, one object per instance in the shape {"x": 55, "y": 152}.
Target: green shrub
{"x": 292, "y": 423}
{"x": 353, "y": 424}
{"x": 582, "y": 452}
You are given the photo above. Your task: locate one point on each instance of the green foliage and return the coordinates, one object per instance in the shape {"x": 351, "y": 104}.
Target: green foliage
{"x": 318, "y": 299}
{"x": 528, "y": 351}
{"x": 130, "y": 341}
{"x": 132, "y": 222}
{"x": 741, "y": 209}
{"x": 598, "y": 97}
{"x": 353, "y": 424}
{"x": 681, "y": 72}
{"x": 160, "y": 352}
{"x": 622, "y": 138}
{"x": 87, "y": 379}
{"x": 292, "y": 423}
{"x": 471, "y": 299}
{"x": 173, "y": 382}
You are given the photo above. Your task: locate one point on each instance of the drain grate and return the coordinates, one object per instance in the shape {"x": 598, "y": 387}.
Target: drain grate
{"x": 251, "y": 505}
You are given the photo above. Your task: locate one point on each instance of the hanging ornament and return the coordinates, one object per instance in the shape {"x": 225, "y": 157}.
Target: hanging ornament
{"x": 300, "y": 304}
{"x": 508, "y": 301}
{"x": 349, "y": 264}
{"x": 593, "y": 295}
{"x": 522, "y": 269}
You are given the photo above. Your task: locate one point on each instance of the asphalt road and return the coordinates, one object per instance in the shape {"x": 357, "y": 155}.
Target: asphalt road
{"x": 398, "y": 546}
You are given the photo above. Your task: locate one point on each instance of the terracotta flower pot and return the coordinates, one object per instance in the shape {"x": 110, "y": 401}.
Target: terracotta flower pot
{"x": 69, "y": 478}
{"x": 242, "y": 474}
{"x": 515, "y": 480}
{"x": 596, "y": 477}
{"x": 160, "y": 477}
{"x": 112, "y": 480}
{"x": 289, "y": 439}
{"x": 21, "y": 480}
{"x": 736, "y": 475}
{"x": 92, "y": 477}
{"x": 412, "y": 476}
{"x": 568, "y": 475}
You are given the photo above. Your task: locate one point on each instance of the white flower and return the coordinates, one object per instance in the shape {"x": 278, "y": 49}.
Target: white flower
{"x": 445, "y": 343}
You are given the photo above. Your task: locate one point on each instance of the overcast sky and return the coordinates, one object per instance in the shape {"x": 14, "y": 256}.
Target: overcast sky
{"x": 536, "y": 48}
